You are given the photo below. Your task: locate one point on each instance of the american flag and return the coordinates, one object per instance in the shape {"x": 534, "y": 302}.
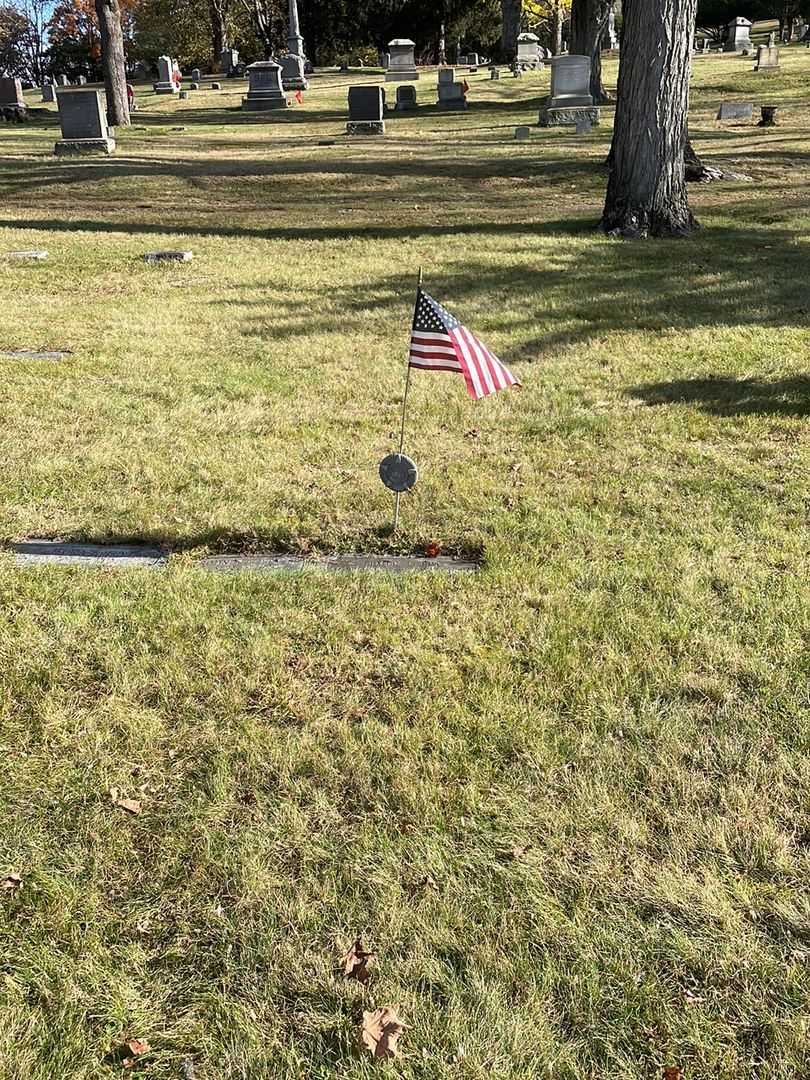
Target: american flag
{"x": 440, "y": 343}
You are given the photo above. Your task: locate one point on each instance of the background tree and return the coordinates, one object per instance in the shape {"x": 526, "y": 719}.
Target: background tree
{"x": 647, "y": 184}
{"x": 13, "y": 32}
{"x": 269, "y": 19}
{"x": 547, "y": 19}
{"x": 511, "y": 11}
{"x": 75, "y": 41}
{"x": 217, "y": 14}
{"x": 589, "y": 19}
{"x": 113, "y": 61}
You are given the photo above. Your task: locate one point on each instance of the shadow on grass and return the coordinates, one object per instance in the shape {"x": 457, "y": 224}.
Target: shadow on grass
{"x": 732, "y": 397}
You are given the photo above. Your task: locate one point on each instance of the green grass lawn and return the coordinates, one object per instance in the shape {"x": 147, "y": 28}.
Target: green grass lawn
{"x": 564, "y": 800}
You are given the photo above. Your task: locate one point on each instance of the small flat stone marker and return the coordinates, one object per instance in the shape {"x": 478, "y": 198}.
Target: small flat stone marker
{"x": 736, "y": 110}
{"x": 92, "y": 556}
{"x": 26, "y": 254}
{"x": 522, "y": 132}
{"x": 184, "y": 95}
{"x": 216, "y": 86}
{"x": 389, "y": 564}
{"x": 169, "y": 256}
{"x": 27, "y": 354}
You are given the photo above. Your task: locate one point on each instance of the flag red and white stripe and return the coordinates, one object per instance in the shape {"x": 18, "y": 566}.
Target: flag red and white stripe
{"x": 440, "y": 343}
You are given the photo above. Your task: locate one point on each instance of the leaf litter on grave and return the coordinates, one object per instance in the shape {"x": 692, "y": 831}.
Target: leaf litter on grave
{"x": 380, "y": 1032}
{"x": 132, "y": 806}
{"x": 357, "y": 961}
{"x": 137, "y": 1048}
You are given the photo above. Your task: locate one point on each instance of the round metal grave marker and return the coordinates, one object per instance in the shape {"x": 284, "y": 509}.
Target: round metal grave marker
{"x": 398, "y": 472}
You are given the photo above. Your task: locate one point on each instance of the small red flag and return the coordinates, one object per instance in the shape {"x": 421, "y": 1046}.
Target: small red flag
{"x": 299, "y": 97}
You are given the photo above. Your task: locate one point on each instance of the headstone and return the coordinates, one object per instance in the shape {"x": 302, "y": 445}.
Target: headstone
{"x": 768, "y": 116}
{"x": 767, "y": 58}
{"x": 771, "y": 39}
{"x": 522, "y": 132}
{"x": 494, "y": 73}
{"x": 402, "y": 65}
{"x": 570, "y": 101}
{"x": 81, "y": 81}
{"x": 472, "y": 59}
{"x": 48, "y": 92}
{"x": 27, "y": 255}
{"x": 528, "y": 54}
{"x": 196, "y": 75}
{"x": 451, "y": 94}
{"x": 406, "y": 98}
{"x": 517, "y": 71}
{"x": 265, "y": 91}
{"x": 183, "y": 95}
{"x": 366, "y": 110}
{"x": 83, "y": 120}
{"x": 166, "y": 83}
{"x": 738, "y": 36}
{"x": 292, "y": 73}
{"x": 216, "y": 86}
{"x": 64, "y": 81}
{"x": 386, "y": 60}
{"x": 229, "y": 60}
{"x": 706, "y": 45}
{"x": 736, "y": 110}
{"x": 194, "y": 86}
{"x": 11, "y": 95}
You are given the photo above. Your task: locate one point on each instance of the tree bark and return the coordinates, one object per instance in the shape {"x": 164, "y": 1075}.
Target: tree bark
{"x": 510, "y": 28}
{"x": 589, "y": 19}
{"x": 113, "y": 62}
{"x": 557, "y": 28}
{"x": 646, "y": 192}
{"x": 216, "y": 10}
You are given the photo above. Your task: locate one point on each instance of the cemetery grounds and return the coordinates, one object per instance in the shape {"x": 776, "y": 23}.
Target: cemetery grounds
{"x": 565, "y": 800}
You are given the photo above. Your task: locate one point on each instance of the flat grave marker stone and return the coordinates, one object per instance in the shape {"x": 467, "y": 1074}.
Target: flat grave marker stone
{"x": 169, "y": 256}
{"x": 391, "y": 564}
{"x": 736, "y": 110}
{"x": 92, "y": 556}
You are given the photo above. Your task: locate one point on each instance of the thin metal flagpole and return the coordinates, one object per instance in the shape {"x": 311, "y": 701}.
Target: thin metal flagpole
{"x": 404, "y": 407}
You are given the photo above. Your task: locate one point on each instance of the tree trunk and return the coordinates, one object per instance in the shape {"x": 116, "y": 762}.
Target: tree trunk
{"x": 113, "y": 61}
{"x": 216, "y": 10}
{"x": 589, "y": 19}
{"x": 557, "y": 28}
{"x": 510, "y": 28}
{"x": 646, "y": 192}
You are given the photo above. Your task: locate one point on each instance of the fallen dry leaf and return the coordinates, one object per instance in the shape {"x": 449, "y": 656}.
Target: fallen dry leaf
{"x": 672, "y": 1072}
{"x": 132, "y": 806}
{"x": 356, "y": 963}
{"x": 138, "y": 1047}
{"x": 432, "y": 549}
{"x": 380, "y": 1032}
{"x": 12, "y": 882}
